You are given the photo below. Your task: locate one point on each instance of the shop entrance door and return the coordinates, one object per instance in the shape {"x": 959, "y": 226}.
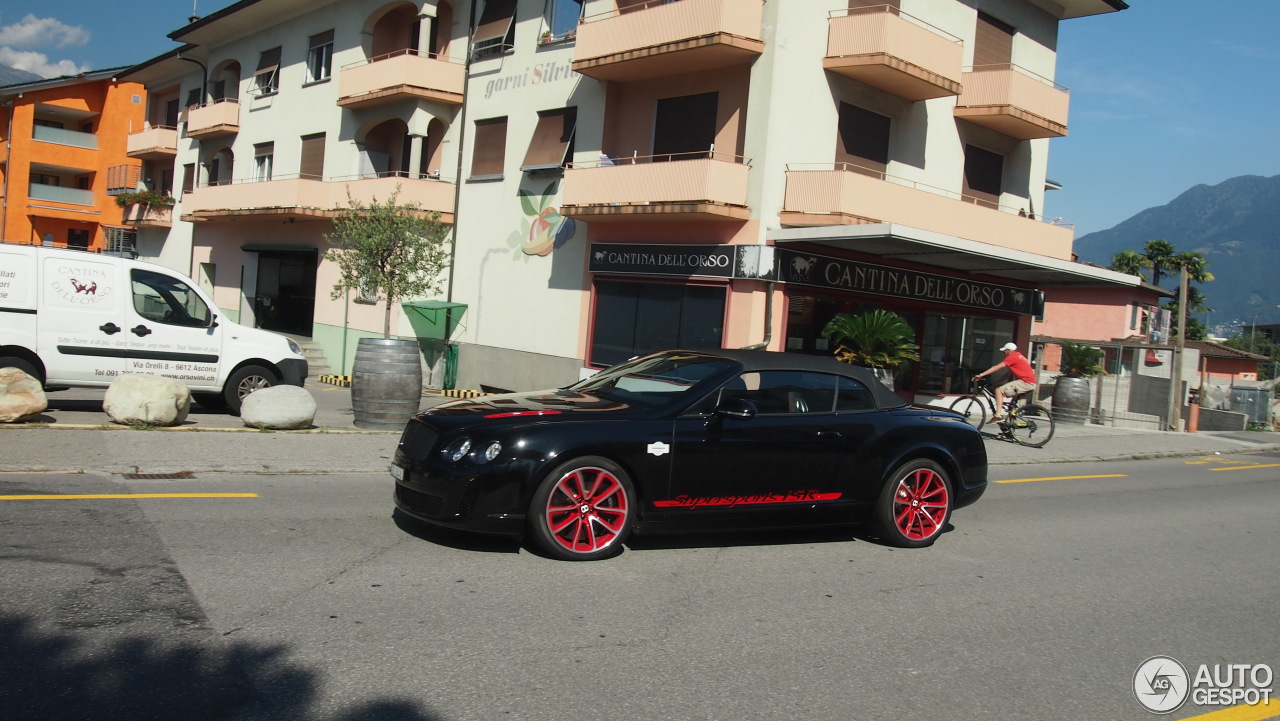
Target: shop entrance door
{"x": 285, "y": 293}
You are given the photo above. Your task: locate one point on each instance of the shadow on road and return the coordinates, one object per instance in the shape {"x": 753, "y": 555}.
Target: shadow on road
{"x": 51, "y": 674}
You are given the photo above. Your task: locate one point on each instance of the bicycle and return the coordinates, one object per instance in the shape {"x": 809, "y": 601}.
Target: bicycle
{"x": 1027, "y": 424}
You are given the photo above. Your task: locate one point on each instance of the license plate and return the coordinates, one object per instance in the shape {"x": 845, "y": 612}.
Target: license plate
{"x": 397, "y": 472}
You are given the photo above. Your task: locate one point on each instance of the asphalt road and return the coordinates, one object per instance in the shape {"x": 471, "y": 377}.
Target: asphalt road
{"x": 302, "y": 597}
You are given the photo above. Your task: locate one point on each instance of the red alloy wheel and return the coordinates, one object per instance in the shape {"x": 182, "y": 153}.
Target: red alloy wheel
{"x": 920, "y": 504}
{"x": 587, "y": 510}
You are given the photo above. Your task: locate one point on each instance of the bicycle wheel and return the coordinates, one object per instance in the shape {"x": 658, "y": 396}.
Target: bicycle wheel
{"x": 975, "y": 414}
{"x": 1031, "y": 425}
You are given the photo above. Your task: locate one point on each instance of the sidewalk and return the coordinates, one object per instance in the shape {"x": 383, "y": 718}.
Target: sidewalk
{"x": 75, "y": 435}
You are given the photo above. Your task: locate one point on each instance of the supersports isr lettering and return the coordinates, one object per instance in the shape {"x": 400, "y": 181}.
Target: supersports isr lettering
{"x": 685, "y": 501}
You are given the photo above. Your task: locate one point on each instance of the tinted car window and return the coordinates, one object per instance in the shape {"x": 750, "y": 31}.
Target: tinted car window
{"x": 784, "y": 391}
{"x": 853, "y": 396}
{"x": 653, "y": 381}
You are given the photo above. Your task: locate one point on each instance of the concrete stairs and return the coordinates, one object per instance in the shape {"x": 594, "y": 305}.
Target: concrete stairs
{"x": 317, "y": 363}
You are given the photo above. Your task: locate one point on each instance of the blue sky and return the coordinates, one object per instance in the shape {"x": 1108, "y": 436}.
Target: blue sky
{"x": 1164, "y": 96}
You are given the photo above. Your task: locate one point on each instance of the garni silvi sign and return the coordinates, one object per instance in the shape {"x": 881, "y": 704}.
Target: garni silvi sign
{"x": 705, "y": 261}
{"x": 852, "y": 275}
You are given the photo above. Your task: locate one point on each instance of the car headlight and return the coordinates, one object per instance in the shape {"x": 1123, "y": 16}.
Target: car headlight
{"x": 490, "y": 451}
{"x": 294, "y": 346}
{"x": 457, "y": 450}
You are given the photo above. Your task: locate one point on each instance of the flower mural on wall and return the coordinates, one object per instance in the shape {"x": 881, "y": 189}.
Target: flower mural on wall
{"x": 543, "y": 229}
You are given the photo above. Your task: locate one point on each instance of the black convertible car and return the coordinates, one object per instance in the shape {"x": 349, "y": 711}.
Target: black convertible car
{"x": 690, "y": 440}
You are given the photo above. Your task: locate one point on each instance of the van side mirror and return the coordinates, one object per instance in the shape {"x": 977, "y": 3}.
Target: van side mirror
{"x": 213, "y": 322}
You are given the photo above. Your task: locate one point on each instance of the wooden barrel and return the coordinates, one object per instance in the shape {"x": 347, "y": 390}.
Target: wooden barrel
{"x": 1071, "y": 400}
{"x": 386, "y": 383}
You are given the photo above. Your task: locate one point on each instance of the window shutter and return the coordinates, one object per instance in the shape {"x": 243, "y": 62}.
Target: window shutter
{"x": 311, "y": 164}
{"x": 993, "y": 44}
{"x": 552, "y": 139}
{"x": 490, "y": 149}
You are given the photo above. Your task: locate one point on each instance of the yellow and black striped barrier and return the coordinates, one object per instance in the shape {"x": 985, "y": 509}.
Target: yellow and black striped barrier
{"x": 344, "y": 381}
{"x": 460, "y": 393}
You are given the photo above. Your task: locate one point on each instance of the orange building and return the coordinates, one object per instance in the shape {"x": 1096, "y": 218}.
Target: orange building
{"x": 64, "y": 159}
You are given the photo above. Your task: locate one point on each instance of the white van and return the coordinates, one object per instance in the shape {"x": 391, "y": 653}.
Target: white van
{"x": 72, "y": 318}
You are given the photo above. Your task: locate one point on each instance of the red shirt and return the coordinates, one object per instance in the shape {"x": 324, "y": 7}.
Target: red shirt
{"x": 1020, "y": 366}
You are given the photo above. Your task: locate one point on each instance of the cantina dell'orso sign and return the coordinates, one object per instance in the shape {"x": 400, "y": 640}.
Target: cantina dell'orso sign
{"x": 708, "y": 261}
{"x": 840, "y": 274}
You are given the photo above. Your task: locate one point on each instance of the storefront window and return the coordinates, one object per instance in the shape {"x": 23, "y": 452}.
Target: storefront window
{"x": 636, "y": 318}
{"x": 955, "y": 347}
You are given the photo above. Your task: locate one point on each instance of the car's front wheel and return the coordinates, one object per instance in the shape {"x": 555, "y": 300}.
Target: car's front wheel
{"x": 245, "y": 381}
{"x": 915, "y": 504}
{"x": 583, "y": 510}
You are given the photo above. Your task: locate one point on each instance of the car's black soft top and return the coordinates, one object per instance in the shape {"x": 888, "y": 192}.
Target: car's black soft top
{"x": 759, "y": 360}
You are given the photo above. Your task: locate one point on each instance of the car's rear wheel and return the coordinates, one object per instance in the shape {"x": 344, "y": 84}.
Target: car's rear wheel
{"x": 583, "y": 510}
{"x": 915, "y": 504}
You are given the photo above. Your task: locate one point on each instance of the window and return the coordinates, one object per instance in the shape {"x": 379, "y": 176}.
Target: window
{"x": 774, "y": 392}
{"x": 266, "y": 79}
{"x": 122, "y": 242}
{"x": 636, "y": 318}
{"x": 863, "y": 141}
{"x": 552, "y": 143}
{"x": 684, "y": 128}
{"x": 496, "y": 32}
{"x": 490, "y": 149}
{"x": 164, "y": 299}
{"x": 78, "y": 239}
{"x": 993, "y": 42}
{"x": 955, "y": 347}
{"x": 320, "y": 57}
{"x": 188, "y": 177}
{"x": 562, "y": 17}
{"x": 311, "y": 164}
{"x": 263, "y": 153}
{"x": 983, "y": 176}
{"x": 122, "y": 179}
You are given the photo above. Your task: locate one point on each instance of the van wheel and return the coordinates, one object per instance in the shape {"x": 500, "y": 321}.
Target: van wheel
{"x": 21, "y": 364}
{"x": 245, "y": 381}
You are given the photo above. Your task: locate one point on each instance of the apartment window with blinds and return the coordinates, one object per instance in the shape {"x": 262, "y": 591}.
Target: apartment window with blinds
{"x": 993, "y": 42}
{"x": 863, "y": 145}
{"x": 496, "y": 31}
{"x": 320, "y": 57}
{"x": 311, "y": 164}
{"x": 552, "y": 143}
{"x": 263, "y": 156}
{"x": 266, "y": 79}
{"x": 490, "y": 149}
{"x": 983, "y": 176}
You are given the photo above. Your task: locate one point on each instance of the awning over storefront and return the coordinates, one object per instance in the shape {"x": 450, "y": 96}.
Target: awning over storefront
{"x": 912, "y": 245}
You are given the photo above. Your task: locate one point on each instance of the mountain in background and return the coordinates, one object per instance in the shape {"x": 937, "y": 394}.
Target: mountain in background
{"x": 1234, "y": 224}
{"x": 13, "y": 76}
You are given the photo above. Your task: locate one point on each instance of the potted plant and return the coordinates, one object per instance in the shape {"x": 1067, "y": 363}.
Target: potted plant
{"x": 1078, "y": 363}
{"x": 877, "y": 339}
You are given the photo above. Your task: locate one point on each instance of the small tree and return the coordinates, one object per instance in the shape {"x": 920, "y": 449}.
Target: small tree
{"x": 388, "y": 250}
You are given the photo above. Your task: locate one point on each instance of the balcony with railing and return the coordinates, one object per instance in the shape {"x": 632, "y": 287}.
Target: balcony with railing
{"x": 1013, "y": 101}
{"x": 149, "y": 216}
{"x": 60, "y": 194}
{"x": 666, "y": 38}
{"x": 842, "y": 194}
{"x": 214, "y": 119}
{"x": 313, "y": 198}
{"x": 153, "y": 143}
{"x": 690, "y": 186}
{"x": 62, "y": 136}
{"x": 895, "y": 52}
{"x": 405, "y": 74}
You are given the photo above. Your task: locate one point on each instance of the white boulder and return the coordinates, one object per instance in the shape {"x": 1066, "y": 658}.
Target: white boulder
{"x": 147, "y": 400}
{"x": 20, "y": 396}
{"x": 283, "y": 408}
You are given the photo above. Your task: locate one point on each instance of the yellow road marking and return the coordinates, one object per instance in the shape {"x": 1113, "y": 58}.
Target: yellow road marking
{"x": 109, "y": 496}
{"x": 1061, "y": 478}
{"x": 1245, "y": 468}
{"x": 1269, "y": 709}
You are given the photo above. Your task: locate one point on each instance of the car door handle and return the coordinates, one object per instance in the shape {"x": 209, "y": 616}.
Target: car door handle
{"x": 140, "y": 330}
{"x": 110, "y": 328}
{"x": 830, "y": 435}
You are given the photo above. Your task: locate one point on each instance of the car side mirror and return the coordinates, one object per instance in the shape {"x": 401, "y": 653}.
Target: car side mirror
{"x": 739, "y": 408}
{"x": 213, "y": 322}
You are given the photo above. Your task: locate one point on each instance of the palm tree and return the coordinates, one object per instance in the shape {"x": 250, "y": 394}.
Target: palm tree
{"x": 1161, "y": 255}
{"x": 876, "y": 338}
{"x": 1130, "y": 262}
{"x": 1197, "y": 266}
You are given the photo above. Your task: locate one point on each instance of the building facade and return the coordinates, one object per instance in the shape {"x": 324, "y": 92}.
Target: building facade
{"x": 628, "y": 176}
{"x": 63, "y": 160}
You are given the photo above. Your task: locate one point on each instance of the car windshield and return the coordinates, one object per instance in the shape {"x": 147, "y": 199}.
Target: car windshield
{"x": 653, "y": 380}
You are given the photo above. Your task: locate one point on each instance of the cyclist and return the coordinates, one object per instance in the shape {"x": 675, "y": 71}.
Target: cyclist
{"x": 1024, "y": 379}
